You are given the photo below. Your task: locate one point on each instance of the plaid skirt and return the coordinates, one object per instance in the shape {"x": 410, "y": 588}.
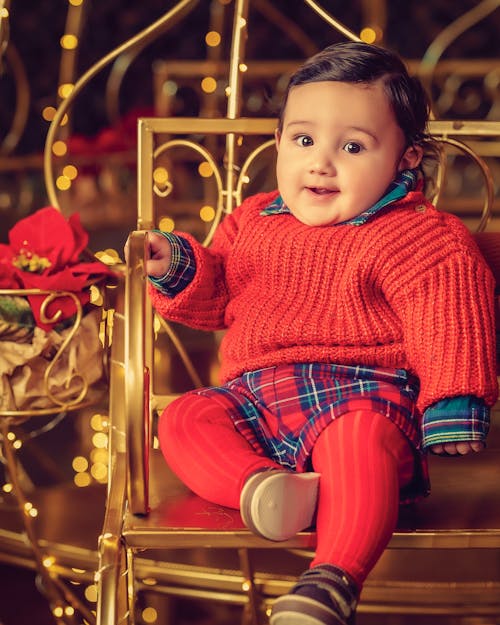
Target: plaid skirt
{"x": 282, "y": 410}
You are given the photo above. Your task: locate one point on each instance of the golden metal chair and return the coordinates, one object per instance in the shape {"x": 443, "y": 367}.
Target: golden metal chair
{"x": 158, "y": 536}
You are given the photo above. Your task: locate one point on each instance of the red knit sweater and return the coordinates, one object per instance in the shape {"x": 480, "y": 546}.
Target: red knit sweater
{"x": 408, "y": 289}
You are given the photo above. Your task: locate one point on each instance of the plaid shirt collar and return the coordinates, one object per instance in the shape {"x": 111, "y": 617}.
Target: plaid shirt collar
{"x": 403, "y": 184}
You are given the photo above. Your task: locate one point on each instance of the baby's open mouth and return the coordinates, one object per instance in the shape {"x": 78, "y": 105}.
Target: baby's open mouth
{"x": 322, "y": 190}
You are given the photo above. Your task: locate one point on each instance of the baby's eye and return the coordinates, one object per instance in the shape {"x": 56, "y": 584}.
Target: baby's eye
{"x": 304, "y": 140}
{"x": 352, "y": 147}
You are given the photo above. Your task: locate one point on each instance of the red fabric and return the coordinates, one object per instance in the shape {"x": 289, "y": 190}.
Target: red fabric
{"x": 364, "y": 460}
{"x": 202, "y": 447}
{"x": 408, "y": 289}
{"x": 55, "y": 244}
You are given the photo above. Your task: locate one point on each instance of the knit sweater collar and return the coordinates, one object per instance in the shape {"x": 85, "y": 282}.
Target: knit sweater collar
{"x": 405, "y": 182}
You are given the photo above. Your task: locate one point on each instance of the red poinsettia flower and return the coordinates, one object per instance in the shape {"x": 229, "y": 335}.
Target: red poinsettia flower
{"x": 44, "y": 252}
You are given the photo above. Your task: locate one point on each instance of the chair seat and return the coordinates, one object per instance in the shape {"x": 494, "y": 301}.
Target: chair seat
{"x": 461, "y": 512}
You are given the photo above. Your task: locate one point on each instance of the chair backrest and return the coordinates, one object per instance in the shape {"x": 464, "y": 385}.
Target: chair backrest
{"x": 193, "y": 171}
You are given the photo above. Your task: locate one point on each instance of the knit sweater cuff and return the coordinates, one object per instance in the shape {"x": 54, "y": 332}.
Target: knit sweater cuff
{"x": 464, "y": 418}
{"x": 182, "y": 266}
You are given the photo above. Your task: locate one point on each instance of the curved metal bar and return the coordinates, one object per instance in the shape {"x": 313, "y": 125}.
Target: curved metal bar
{"x": 446, "y": 37}
{"x": 122, "y": 64}
{"x": 74, "y": 24}
{"x": 67, "y": 340}
{"x": 488, "y": 179}
{"x": 332, "y": 21}
{"x": 145, "y": 35}
{"x": 21, "y": 110}
{"x": 218, "y": 178}
{"x": 246, "y": 166}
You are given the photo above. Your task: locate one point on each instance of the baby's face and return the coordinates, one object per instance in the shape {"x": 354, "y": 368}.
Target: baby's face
{"x": 339, "y": 149}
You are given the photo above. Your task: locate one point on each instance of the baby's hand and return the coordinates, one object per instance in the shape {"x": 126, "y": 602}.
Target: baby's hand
{"x": 454, "y": 449}
{"x": 159, "y": 255}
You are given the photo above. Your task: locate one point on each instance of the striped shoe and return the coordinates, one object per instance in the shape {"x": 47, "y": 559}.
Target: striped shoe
{"x": 324, "y": 595}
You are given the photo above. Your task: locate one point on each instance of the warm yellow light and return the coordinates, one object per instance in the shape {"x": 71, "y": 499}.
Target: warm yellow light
{"x": 7, "y": 488}
{"x": 149, "y": 615}
{"x": 70, "y": 171}
{"x": 209, "y": 84}
{"x": 91, "y": 593}
{"x": 17, "y": 444}
{"x": 80, "y": 464}
{"x": 212, "y": 39}
{"x": 76, "y": 3}
{"x": 28, "y": 506}
{"x": 59, "y": 148}
{"x": 205, "y": 169}
{"x": 166, "y": 224}
{"x": 58, "y": 611}
{"x": 96, "y": 422}
{"x": 368, "y": 35}
{"x": 160, "y": 176}
{"x": 11, "y": 436}
{"x": 69, "y": 610}
{"x": 48, "y": 113}
{"x": 207, "y": 213}
{"x": 48, "y": 561}
{"x": 149, "y": 581}
{"x": 246, "y": 586}
{"x": 99, "y": 472}
{"x": 33, "y": 512}
{"x": 243, "y": 67}
{"x": 63, "y": 183}
{"x": 4, "y": 13}
{"x": 82, "y": 479}
{"x": 69, "y": 42}
{"x": 65, "y": 90}
{"x": 100, "y": 440}
{"x": 99, "y": 455}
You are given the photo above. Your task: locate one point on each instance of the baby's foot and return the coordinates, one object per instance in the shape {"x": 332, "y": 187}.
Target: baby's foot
{"x": 277, "y": 503}
{"x": 324, "y": 595}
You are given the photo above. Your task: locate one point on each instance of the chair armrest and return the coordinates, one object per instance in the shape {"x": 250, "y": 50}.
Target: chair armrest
{"x": 137, "y": 413}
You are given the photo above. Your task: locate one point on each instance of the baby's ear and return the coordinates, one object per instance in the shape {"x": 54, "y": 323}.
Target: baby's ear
{"x": 411, "y": 158}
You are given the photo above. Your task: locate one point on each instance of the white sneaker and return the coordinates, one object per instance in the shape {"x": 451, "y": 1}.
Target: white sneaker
{"x": 277, "y": 504}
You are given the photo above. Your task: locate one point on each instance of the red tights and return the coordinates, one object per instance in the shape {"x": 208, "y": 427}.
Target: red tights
{"x": 362, "y": 457}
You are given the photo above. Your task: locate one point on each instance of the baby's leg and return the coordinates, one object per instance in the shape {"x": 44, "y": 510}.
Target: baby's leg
{"x": 363, "y": 459}
{"x": 202, "y": 446}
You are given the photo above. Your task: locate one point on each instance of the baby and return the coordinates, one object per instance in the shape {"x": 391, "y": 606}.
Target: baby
{"x": 359, "y": 331}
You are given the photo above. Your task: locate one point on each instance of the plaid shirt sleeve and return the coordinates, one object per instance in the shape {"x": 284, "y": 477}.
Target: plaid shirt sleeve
{"x": 465, "y": 418}
{"x": 182, "y": 266}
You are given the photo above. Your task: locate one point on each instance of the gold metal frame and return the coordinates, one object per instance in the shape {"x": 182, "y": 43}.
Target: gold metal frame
{"x": 141, "y": 488}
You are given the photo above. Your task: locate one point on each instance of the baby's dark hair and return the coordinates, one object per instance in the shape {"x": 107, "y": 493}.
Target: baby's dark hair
{"x": 357, "y": 62}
